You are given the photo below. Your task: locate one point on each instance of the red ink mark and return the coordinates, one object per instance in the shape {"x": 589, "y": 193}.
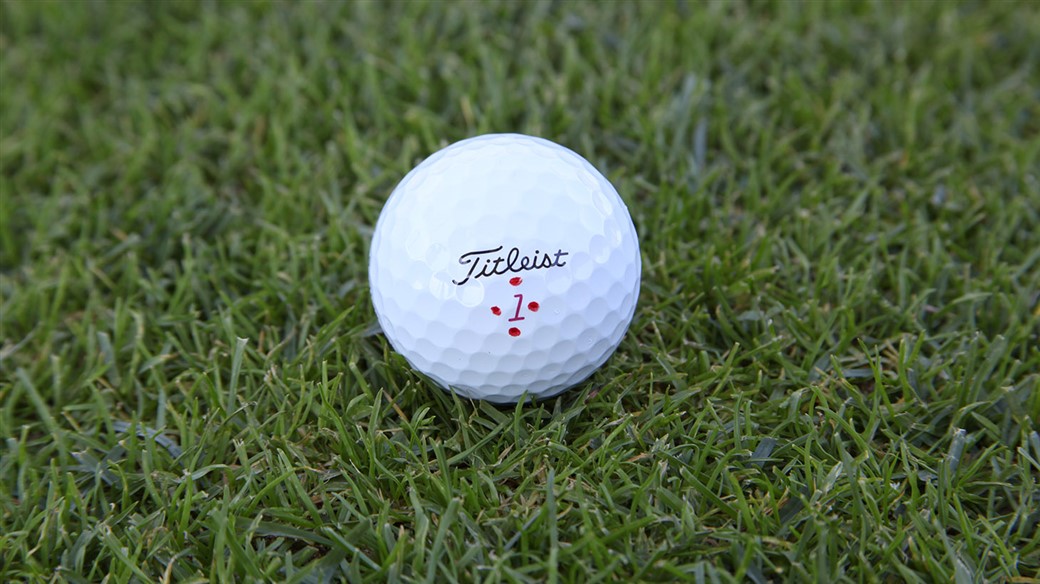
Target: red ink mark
{"x": 519, "y": 304}
{"x": 516, "y": 281}
{"x": 496, "y": 311}
{"x": 514, "y": 332}
{"x": 533, "y": 307}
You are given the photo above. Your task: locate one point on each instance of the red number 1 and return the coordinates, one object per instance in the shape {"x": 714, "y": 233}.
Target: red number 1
{"x": 519, "y": 303}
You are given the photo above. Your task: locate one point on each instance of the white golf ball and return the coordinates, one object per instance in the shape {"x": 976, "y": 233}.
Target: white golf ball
{"x": 505, "y": 266}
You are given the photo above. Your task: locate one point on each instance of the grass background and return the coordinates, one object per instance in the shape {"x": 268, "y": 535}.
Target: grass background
{"x": 832, "y": 374}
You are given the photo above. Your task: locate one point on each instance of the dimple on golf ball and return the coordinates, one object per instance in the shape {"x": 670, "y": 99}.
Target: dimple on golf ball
{"x": 505, "y": 266}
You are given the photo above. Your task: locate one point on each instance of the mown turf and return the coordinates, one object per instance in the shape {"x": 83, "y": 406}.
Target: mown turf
{"x": 833, "y": 370}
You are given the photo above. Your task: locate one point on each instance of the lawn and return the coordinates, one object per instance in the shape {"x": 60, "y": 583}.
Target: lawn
{"x": 833, "y": 373}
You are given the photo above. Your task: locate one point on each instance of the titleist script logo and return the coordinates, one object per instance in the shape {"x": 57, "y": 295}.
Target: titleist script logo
{"x": 490, "y": 262}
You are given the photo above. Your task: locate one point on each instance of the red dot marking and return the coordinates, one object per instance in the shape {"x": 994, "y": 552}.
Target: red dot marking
{"x": 515, "y": 282}
{"x": 514, "y": 332}
{"x": 533, "y": 307}
{"x": 496, "y": 311}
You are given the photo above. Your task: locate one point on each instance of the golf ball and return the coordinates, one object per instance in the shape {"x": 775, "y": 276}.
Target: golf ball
{"x": 505, "y": 266}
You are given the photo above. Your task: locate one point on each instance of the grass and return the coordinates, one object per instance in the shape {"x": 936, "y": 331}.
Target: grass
{"x": 833, "y": 373}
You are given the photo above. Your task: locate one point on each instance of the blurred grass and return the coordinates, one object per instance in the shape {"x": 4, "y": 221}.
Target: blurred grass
{"x": 832, "y": 375}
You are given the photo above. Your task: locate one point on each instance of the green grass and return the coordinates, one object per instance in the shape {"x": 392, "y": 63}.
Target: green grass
{"x": 833, "y": 373}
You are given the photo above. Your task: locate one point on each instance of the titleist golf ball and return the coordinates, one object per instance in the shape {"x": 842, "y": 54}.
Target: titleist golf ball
{"x": 505, "y": 266}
